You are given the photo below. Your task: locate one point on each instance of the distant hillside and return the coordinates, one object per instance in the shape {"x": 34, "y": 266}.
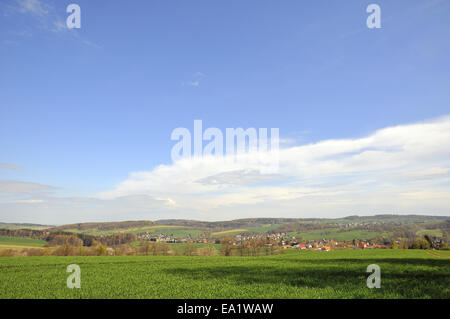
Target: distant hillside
{"x": 105, "y": 227}
{"x": 346, "y": 228}
{"x": 257, "y": 222}
{"x": 23, "y": 225}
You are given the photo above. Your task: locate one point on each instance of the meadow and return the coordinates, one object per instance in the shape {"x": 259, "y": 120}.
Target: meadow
{"x": 339, "y": 235}
{"x": 20, "y": 243}
{"x": 297, "y": 274}
{"x": 177, "y": 231}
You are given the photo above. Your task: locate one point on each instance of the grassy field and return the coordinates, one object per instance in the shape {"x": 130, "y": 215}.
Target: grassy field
{"x": 230, "y": 232}
{"x": 305, "y": 274}
{"x": 177, "y": 231}
{"x": 181, "y": 246}
{"x": 196, "y": 245}
{"x": 329, "y": 233}
{"x": 22, "y": 226}
{"x": 334, "y": 233}
{"x": 20, "y": 243}
{"x": 430, "y": 232}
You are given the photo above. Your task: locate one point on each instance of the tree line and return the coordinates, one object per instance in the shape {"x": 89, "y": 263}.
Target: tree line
{"x": 74, "y": 239}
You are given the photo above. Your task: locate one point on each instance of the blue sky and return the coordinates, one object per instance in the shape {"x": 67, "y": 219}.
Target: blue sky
{"x": 81, "y": 110}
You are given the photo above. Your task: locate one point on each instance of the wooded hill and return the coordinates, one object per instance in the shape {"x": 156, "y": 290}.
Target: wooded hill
{"x": 362, "y": 227}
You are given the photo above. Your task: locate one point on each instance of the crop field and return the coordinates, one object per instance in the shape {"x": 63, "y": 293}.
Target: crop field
{"x": 430, "y": 232}
{"x": 181, "y": 246}
{"x": 335, "y": 234}
{"x": 298, "y": 274}
{"x": 177, "y": 231}
{"x": 330, "y": 233}
{"x": 20, "y": 243}
{"x": 230, "y": 232}
{"x": 235, "y": 231}
{"x": 196, "y": 245}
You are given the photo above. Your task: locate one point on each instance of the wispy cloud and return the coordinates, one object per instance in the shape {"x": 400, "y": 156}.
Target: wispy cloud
{"x": 191, "y": 83}
{"x": 59, "y": 25}
{"x": 43, "y": 14}
{"x": 33, "y": 7}
{"x": 25, "y": 34}
{"x": 195, "y": 81}
{"x": 45, "y": 20}
{"x": 59, "y": 210}
{"x": 199, "y": 74}
{"x": 10, "y": 166}
{"x": 29, "y": 201}
{"x": 19, "y": 187}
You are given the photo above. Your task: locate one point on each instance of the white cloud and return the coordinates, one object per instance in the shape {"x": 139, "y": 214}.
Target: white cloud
{"x": 384, "y": 167}
{"x": 400, "y": 169}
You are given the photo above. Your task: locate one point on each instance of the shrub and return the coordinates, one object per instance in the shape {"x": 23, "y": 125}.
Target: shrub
{"x": 101, "y": 250}
{"x": 207, "y": 251}
{"x": 33, "y": 252}
{"x": 7, "y": 253}
{"x": 65, "y": 250}
{"x": 420, "y": 243}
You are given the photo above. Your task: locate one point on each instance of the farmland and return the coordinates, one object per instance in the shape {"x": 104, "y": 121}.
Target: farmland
{"x": 178, "y": 231}
{"x": 378, "y": 227}
{"x": 20, "y": 243}
{"x": 305, "y": 228}
{"x": 297, "y": 274}
{"x": 23, "y": 225}
{"x": 339, "y": 235}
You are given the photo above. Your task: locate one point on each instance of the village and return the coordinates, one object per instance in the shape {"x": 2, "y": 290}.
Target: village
{"x": 275, "y": 239}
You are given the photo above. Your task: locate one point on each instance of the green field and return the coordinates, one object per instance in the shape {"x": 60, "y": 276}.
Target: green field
{"x": 305, "y": 274}
{"x": 430, "y": 232}
{"x": 196, "y": 245}
{"x": 230, "y": 232}
{"x": 181, "y": 232}
{"x": 22, "y": 226}
{"x": 181, "y": 246}
{"x": 176, "y": 231}
{"x": 19, "y": 242}
{"x": 334, "y": 233}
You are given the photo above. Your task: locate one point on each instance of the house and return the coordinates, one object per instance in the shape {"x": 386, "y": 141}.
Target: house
{"x": 380, "y": 246}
